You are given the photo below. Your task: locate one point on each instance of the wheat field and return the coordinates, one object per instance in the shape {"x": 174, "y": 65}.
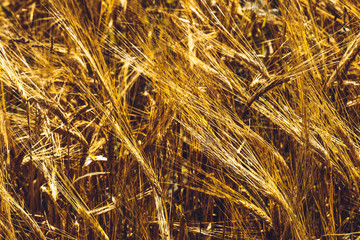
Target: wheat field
{"x": 180, "y": 119}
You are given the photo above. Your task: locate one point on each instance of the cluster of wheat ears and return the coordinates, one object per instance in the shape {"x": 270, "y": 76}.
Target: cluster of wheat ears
{"x": 179, "y": 119}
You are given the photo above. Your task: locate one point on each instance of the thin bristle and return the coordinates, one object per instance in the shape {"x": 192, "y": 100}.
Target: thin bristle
{"x": 179, "y": 119}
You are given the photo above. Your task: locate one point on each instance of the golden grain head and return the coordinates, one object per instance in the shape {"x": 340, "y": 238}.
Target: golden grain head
{"x": 179, "y": 119}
